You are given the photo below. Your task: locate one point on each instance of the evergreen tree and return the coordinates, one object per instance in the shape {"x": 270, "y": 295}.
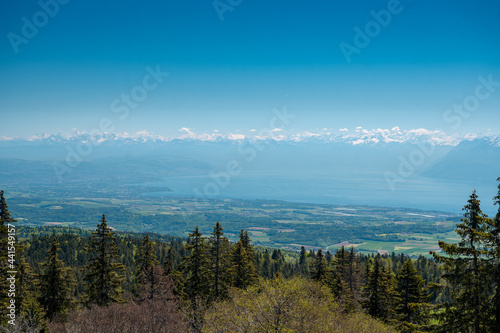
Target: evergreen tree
{"x": 467, "y": 272}
{"x": 26, "y": 283}
{"x": 146, "y": 256}
{"x": 103, "y": 275}
{"x": 196, "y": 266}
{"x": 266, "y": 265}
{"x": 338, "y": 278}
{"x": 494, "y": 253}
{"x": 319, "y": 270}
{"x": 220, "y": 263}
{"x": 413, "y": 294}
{"x": 328, "y": 257}
{"x": 55, "y": 283}
{"x": 379, "y": 292}
{"x": 169, "y": 264}
{"x": 353, "y": 277}
{"x": 7, "y": 259}
{"x": 303, "y": 267}
{"x": 243, "y": 258}
{"x": 148, "y": 274}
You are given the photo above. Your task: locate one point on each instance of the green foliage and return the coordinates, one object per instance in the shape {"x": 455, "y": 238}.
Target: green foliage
{"x": 413, "y": 296}
{"x": 195, "y": 266}
{"x": 380, "y": 296}
{"x": 243, "y": 257}
{"x": 467, "y": 272}
{"x": 319, "y": 270}
{"x": 103, "y": 275}
{"x": 220, "y": 263}
{"x": 278, "y": 305}
{"x": 56, "y": 282}
{"x": 5, "y": 220}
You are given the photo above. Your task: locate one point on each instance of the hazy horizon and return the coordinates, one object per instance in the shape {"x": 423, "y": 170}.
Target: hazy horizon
{"x": 163, "y": 67}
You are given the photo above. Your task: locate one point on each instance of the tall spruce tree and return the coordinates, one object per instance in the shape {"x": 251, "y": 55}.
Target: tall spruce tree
{"x": 353, "y": 277}
{"x": 494, "y": 254}
{"x": 266, "y": 265}
{"x": 146, "y": 256}
{"x": 243, "y": 257}
{"x": 148, "y": 273}
{"x": 379, "y": 292}
{"x": 303, "y": 266}
{"x": 319, "y": 269}
{"x": 56, "y": 283}
{"x": 413, "y": 295}
{"x": 196, "y": 266}
{"x": 103, "y": 276}
{"x": 27, "y": 284}
{"x": 196, "y": 278}
{"x": 466, "y": 271}
{"x": 6, "y": 259}
{"x": 220, "y": 265}
{"x": 338, "y": 279}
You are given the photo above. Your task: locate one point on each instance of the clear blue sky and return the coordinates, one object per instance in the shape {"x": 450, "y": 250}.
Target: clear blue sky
{"x": 229, "y": 74}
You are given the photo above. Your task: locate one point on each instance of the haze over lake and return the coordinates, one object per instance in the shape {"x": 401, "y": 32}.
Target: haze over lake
{"x": 421, "y": 193}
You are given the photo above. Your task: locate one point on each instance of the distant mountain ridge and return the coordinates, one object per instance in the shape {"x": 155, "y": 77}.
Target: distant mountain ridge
{"x": 353, "y": 137}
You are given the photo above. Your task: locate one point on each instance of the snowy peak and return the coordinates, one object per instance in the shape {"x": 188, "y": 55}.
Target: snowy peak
{"x": 358, "y": 136}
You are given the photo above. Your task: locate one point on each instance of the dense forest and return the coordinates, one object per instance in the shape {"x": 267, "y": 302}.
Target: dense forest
{"x": 61, "y": 279}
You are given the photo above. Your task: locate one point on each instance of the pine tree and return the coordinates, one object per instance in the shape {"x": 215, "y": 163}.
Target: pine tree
{"x": 353, "y": 277}
{"x": 220, "y": 263}
{"x": 329, "y": 257}
{"x": 146, "y": 256}
{"x": 413, "y": 294}
{"x": 196, "y": 266}
{"x": 169, "y": 265}
{"x": 466, "y": 271}
{"x": 195, "y": 281}
{"x": 27, "y": 284}
{"x": 379, "y": 292}
{"x": 55, "y": 283}
{"x": 266, "y": 265}
{"x": 303, "y": 267}
{"x": 6, "y": 258}
{"x": 319, "y": 270}
{"x": 148, "y": 274}
{"x": 494, "y": 253}
{"x": 103, "y": 275}
{"x": 243, "y": 257}
{"x": 338, "y": 280}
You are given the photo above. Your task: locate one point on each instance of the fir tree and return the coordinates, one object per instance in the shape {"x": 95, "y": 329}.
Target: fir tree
{"x": 55, "y": 283}
{"x": 220, "y": 263}
{"x": 353, "y": 277}
{"x": 27, "y": 287}
{"x": 379, "y": 292}
{"x": 303, "y": 267}
{"x": 266, "y": 265}
{"x": 466, "y": 271}
{"x": 148, "y": 275}
{"x": 169, "y": 264}
{"x": 103, "y": 275}
{"x": 319, "y": 270}
{"x": 146, "y": 256}
{"x": 6, "y": 258}
{"x": 413, "y": 294}
{"x": 494, "y": 253}
{"x": 196, "y": 266}
{"x": 243, "y": 262}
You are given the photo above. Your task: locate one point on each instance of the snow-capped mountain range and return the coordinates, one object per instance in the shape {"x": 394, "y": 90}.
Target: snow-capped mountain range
{"x": 358, "y": 136}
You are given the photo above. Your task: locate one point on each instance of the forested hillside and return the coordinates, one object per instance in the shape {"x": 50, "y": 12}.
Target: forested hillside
{"x": 62, "y": 279}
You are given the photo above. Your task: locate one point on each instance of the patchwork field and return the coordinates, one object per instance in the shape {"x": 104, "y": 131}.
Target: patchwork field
{"x": 272, "y": 223}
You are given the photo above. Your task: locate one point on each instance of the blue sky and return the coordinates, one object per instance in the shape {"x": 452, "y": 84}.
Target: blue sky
{"x": 230, "y": 74}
